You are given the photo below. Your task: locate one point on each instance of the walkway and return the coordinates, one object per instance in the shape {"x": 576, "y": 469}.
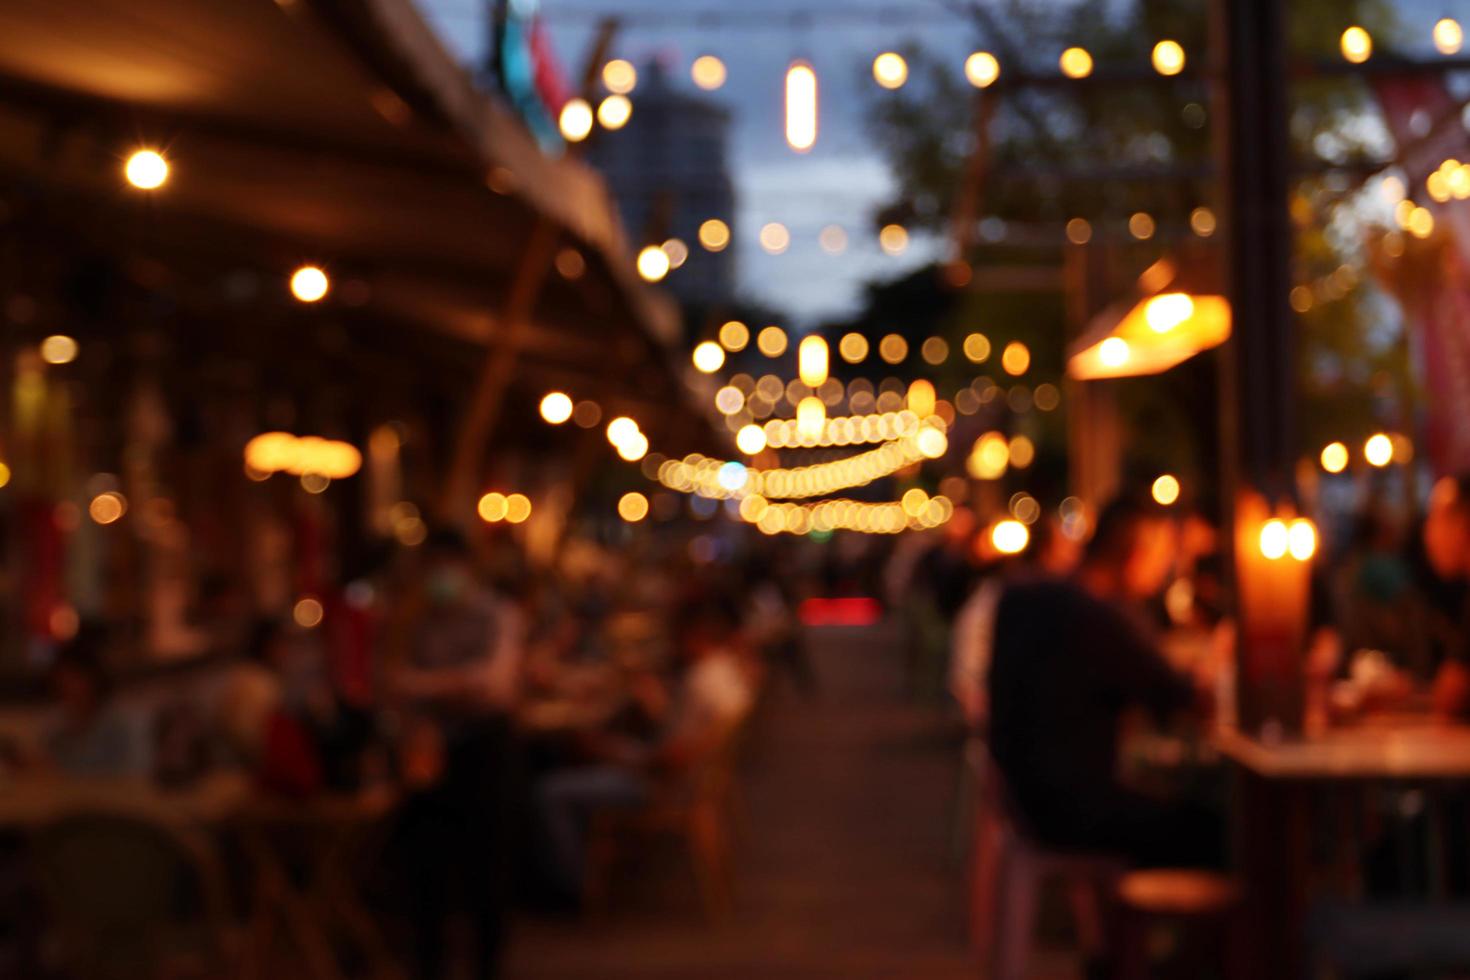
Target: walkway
{"x": 845, "y": 870}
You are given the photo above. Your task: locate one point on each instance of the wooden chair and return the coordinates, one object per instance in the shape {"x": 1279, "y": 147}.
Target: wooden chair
{"x": 132, "y": 898}
{"x": 1010, "y": 867}
{"x": 696, "y": 808}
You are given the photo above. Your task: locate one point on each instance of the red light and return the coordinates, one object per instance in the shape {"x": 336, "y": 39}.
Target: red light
{"x": 844, "y": 611}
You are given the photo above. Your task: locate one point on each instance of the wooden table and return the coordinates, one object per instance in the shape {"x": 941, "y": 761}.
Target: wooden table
{"x": 33, "y": 800}
{"x": 1276, "y": 782}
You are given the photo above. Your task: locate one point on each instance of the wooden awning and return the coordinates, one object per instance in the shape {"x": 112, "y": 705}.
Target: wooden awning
{"x": 333, "y": 131}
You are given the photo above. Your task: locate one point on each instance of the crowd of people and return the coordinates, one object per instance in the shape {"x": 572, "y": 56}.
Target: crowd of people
{"x": 501, "y": 709}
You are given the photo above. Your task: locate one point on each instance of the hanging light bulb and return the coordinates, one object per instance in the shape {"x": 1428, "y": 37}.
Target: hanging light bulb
{"x": 1357, "y": 45}
{"x": 801, "y": 106}
{"x": 812, "y": 360}
{"x": 811, "y": 417}
{"x": 575, "y": 120}
{"x": 1448, "y": 36}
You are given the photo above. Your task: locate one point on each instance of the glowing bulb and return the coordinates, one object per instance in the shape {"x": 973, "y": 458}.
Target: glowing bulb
{"x": 1378, "y": 450}
{"x": 619, "y": 76}
{"x": 58, "y": 349}
{"x": 734, "y": 335}
{"x": 1022, "y": 453}
{"x": 921, "y": 398}
{"x": 1168, "y": 58}
{"x": 732, "y": 475}
{"x": 621, "y": 429}
{"x": 1202, "y": 222}
{"x": 108, "y": 507}
{"x": 932, "y": 443}
{"x": 981, "y": 69}
{"x": 708, "y": 72}
{"x": 1334, "y": 457}
{"x": 309, "y": 284}
{"x": 307, "y": 612}
{"x": 556, "y": 407}
{"x": 1357, "y": 45}
{"x": 714, "y": 235}
{"x": 1016, "y": 358}
{"x": 1079, "y": 231}
{"x": 1166, "y": 312}
{"x": 517, "y": 508}
{"x": 492, "y": 507}
{"x": 653, "y": 263}
{"x": 1113, "y": 352}
{"x": 893, "y": 239}
{"x": 853, "y": 347}
{"x": 977, "y": 348}
{"x": 812, "y": 360}
{"x": 632, "y": 507}
{"x": 751, "y": 439}
{"x": 1076, "y": 63}
{"x": 614, "y": 112}
{"x": 811, "y": 417}
{"x": 708, "y": 357}
{"x": 774, "y": 237}
{"x": 633, "y": 447}
{"x": 1448, "y": 36}
{"x": 771, "y": 341}
{"x": 146, "y": 170}
{"x": 1274, "y": 539}
{"x": 575, "y": 120}
{"x": 801, "y": 106}
{"x": 1010, "y": 537}
{"x": 890, "y": 70}
{"x": 893, "y": 348}
{"x": 1141, "y": 226}
{"x": 1166, "y": 490}
{"x": 1301, "y": 539}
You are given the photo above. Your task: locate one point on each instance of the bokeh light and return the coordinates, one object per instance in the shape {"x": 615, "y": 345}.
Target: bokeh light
{"x": 632, "y": 507}
{"x": 708, "y": 72}
{"x": 575, "y": 120}
{"x": 1334, "y": 457}
{"x": 309, "y": 283}
{"x": 556, "y": 407}
{"x": 890, "y": 70}
{"x": 146, "y": 170}
{"x": 982, "y": 69}
{"x": 1166, "y": 490}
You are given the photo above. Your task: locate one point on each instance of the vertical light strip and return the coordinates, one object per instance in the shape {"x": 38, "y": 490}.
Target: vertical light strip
{"x": 812, "y": 360}
{"x": 801, "y": 106}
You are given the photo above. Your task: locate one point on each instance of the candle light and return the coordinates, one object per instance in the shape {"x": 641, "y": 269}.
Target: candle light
{"x": 1273, "y": 553}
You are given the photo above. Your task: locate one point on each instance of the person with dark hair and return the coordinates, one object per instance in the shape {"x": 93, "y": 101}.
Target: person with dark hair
{"x": 459, "y": 682}
{"x": 1070, "y": 657}
{"x": 89, "y": 737}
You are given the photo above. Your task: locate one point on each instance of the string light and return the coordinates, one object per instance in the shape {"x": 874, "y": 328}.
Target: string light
{"x": 1021, "y": 452}
{"x": 1079, "y": 231}
{"x": 653, "y": 263}
{"x": 708, "y": 357}
{"x": 1168, "y": 57}
{"x": 1076, "y": 63}
{"x": 556, "y": 407}
{"x": 677, "y": 252}
{"x": 890, "y": 70}
{"x": 107, "y": 507}
{"x": 893, "y": 348}
{"x": 812, "y": 360}
{"x": 614, "y": 112}
{"x": 1378, "y": 450}
{"x": 307, "y": 612}
{"x": 146, "y": 170}
{"x": 619, "y": 76}
{"x": 714, "y": 235}
{"x": 833, "y": 240}
{"x": 801, "y": 106}
{"x": 282, "y": 452}
{"x": 1301, "y": 539}
{"x": 1166, "y": 490}
{"x": 1448, "y": 36}
{"x": 771, "y": 341}
{"x": 1141, "y": 226}
{"x": 893, "y": 239}
{"x": 977, "y": 348}
{"x": 1334, "y": 457}
{"x": 734, "y": 335}
{"x": 1357, "y": 45}
{"x": 981, "y": 69}
{"x": 989, "y": 457}
{"x": 811, "y": 417}
{"x": 889, "y": 517}
{"x": 774, "y": 237}
{"x": 1202, "y": 222}
{"x": 853, "y": 347}
{"x": 1016, "y": 358}
{"x": 1010, "y": 537}
{"x": 1274, "y": 539}
{"x": 751, "y": 439}
{"x": 309, "y": 284}
{"x": 58, "y": 349}
{"x": 575, "y": 120}
{"x": 708, "y": 72}
{"x": 632, "y": 507}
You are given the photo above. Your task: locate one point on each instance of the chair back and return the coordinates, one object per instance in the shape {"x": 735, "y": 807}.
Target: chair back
{"x": 126, "y": 894}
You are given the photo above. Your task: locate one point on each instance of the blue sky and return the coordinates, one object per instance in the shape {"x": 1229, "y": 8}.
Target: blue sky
{"x": 839, "y": 182}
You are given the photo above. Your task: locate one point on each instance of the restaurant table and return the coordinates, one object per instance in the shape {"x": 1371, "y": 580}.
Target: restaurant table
{"x": 32, "y": 800}
{"x": 1277, "y": 781}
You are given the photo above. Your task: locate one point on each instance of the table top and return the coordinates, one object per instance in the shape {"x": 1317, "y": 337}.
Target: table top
{"x": 1387, "y": 749}
{"x": 33, "y": 800}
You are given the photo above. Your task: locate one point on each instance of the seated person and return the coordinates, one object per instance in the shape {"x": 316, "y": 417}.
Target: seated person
{"x": 1069, "y": 658}
{"x": 90, "y": 736}
{"x": 714, "y": 693}
{"x": 1442, "y": 602}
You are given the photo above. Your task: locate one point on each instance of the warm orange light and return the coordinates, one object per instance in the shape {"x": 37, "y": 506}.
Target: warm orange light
{"x": 307, "y": 612}
{"x": 575, "y": 120}
{"x": 492, "y": 507}
{"x": 58, "y": 349}
{"x": 714, "y": 235}
{"x": 893, "y": 239}
{"x": 1378, "y": 450}
{"x": 1076, "y": 63}
{"x": 853, "y": 347}
{"x": 1010, "y": 537}
{"x": 811, "y": 417}
{"x": 309, "y": 284}
{"x": 621, "y": 429}
{"x": 517, "y": 508}
{"x": 614, "y": 112}
{"x": 632, "y": 507}
{"x": 1275, "y": 539}
{"x": 1357, "y": 45}
{"x": 108, "y": 507}
{"x": 1168, "y": 57}
{"x": 1166, "y": 490}
{"x": 1334, "y": 457}
{"x": 1016, "y": 358}
{"x": 653, "y": 263}
{"x": 1167, "y": 311}
{"x": 774, "y": 237}
{"x": 708, "y": 357}
{"x": 890, "y": 70}
{"x": 1301, "y": 539}
{"x": 751, "y": 439}
{"x": 619, "y": 76}
{"x": 812, "y": 360}
{"x": 556, "y": 407}
{"x": 146, "y": 170}
{"x": 893, "y": 348}
{"x": 771, "y": 341}
{"x": 982, "y": 69}
{"x": 1448, "y": 36}
{"x": 708, "y": 72}
{"x": 801, "y": 106}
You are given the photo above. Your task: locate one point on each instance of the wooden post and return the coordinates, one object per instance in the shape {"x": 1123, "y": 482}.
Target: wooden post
{"x": 486, "y": 401}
